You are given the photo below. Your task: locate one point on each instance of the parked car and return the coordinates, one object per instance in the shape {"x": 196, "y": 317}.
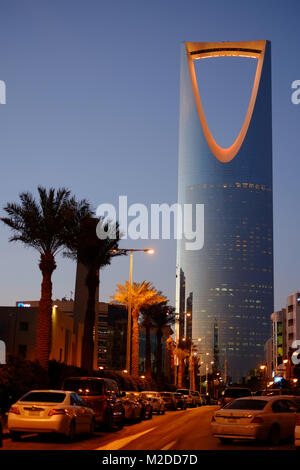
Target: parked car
{"x": 44, "y": 411}
{"x": 132, "y": 406}
{"x": 296, "y": 400}
{"x": 271, "y": 418}
{"x": 170, "y": 400}
{"x": 231, "y": 393}
{"x": 180, "y": 401}
{"x": 103, "y": 396}
{"x": 1, "y": 429}
{"x": 190, "y": 399}
{"x": 197, "y": 398}
{"x": 258, "y": 393}
{"x": 278, "y": 391}
{"x": 156, "y": 400}
{"x": 146, "y": 405}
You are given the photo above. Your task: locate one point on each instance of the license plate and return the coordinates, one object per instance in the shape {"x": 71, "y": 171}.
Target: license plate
{"x": 34, "y": 413}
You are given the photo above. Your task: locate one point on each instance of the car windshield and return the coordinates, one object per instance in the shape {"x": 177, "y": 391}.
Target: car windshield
{"x": 177, "y": 395}
{"x": 84, "y": 387}
{"x": 247, "y": 405}
{"x": 236, "y": 393}
{"x": 44, "y": 397}
{"x": 184, "y": 392}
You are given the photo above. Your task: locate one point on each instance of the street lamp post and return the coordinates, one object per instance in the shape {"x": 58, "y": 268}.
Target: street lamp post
{"x": 149, "y": 251}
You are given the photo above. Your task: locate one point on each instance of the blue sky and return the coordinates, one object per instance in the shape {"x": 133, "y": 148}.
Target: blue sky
{"x": 92, "y": 104}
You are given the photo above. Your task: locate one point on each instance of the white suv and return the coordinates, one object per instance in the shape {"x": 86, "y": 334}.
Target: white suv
{"x": 156, "y": 400}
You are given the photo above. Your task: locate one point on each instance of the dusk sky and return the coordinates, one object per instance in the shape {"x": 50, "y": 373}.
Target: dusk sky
{"x": 92, "y": 104}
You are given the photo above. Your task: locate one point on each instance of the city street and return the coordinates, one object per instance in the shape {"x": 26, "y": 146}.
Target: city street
{"x": 177, "y": 430}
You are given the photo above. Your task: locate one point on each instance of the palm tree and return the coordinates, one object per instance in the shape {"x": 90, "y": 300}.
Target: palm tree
{"x": 45, "y": 225}
{"x": 94, "y": 253}
{"x": 147, "y": 324}
{"x": 182, "y": 351}
{"x": 171, "y": 359}
{"x": 193, "y": 367}
{"x": 162, "y": 316}
{"x": 142, "y": 295}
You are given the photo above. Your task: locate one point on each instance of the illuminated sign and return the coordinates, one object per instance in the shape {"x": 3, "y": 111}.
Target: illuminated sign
{"x": 21, "y": 304}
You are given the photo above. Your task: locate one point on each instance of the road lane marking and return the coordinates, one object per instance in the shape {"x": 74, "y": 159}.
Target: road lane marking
{"x": 119, "y": 443}
{"x": 168, "y": 446}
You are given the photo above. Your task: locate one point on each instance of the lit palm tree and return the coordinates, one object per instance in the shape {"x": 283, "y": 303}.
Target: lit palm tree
{"x": 142, "y": 295}
{"x": 94, "y": 253}
{"x": 45, "y": 225}
{"x": 162, "y": 316}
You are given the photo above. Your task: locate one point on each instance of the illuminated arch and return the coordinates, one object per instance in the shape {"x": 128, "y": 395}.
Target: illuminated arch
{"x": 200, "y": 50}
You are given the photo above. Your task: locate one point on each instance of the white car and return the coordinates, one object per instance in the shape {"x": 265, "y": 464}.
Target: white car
{"x": 262, "y": 418}
{"x": 156, "y": 400}
{"x": 45, "y": 411}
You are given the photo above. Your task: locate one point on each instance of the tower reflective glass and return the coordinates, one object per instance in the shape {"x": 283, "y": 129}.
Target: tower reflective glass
{"x": 230, "y": 280}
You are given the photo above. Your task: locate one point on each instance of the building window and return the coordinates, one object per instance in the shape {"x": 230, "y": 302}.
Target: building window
{"x": 291, "y": 336}
{"x": 291, "y": 322}
{"x": 24, "y": 326}
{"x": 102, "y": 319}
{"x": 22, "y": 350}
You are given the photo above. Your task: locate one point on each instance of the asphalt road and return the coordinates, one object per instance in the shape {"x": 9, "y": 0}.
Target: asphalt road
{"x": 176, "y": 430}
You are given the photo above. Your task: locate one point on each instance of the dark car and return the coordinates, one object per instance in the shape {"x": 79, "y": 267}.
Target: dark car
{"x": 231, "y": 393}
{"x": 1, "y": 430}
{"x": 102, "y": 395}
{"x": 180, "y": 401}
{"x": 170, "y": 401}
{"x": 146, "y": 405}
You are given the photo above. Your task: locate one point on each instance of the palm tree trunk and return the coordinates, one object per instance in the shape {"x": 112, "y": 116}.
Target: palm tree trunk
{"x": 87, "y": 351}
{"x": 148, "y": 349}
{"x": 135, "y": 350}
{"x": 171, "y": 363}
{"x": 158, "y": 353}
{"x": 44, "y": 316}
{"x": 180, "y": 372}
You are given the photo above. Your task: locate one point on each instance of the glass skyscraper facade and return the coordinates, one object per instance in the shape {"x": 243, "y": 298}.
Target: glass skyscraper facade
{"x": 228, "y": 284}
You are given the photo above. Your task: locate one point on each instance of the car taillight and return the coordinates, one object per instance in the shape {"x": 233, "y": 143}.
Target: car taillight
{"x": 59, "y": 411}
{"x": 15, "y": 410}
{"x": 257, "y": 419}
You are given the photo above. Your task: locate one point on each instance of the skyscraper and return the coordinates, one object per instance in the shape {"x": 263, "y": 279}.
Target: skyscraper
{"x": 230, "y": 280}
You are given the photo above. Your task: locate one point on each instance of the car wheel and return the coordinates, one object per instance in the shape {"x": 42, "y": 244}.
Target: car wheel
{"x": 225, "y": 440}
{"x": 150, "y": 414}
{"x": 163, "y": 411}
{"x": 274, "y": 435}
{"x": 72, "y": 431}
{"x": 15, "y": 436}
{"x": 108, "y": 422}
